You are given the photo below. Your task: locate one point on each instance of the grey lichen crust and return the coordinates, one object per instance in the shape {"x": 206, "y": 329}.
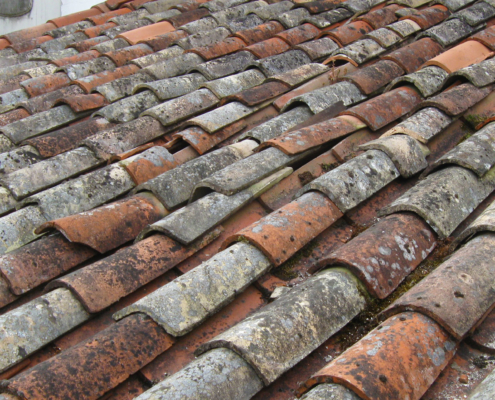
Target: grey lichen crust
{"x": 322, "y": 98}
{"x": 428, "y": 80}
{"x": 218, "y": 375}
{"x": 445, "y": 198}
{"x": 35, "y": 324}
{"x": 210, "y": 211}
{"x": 476, "y": 153}
{"x": 479, "y": 75}
{"x": 175, "y": 186}
{"x": 232, "y": 84}
{"x": 484, "y": 223}
{"x": 485, "y": 390}
{"x": 17, "y": 228}
{"x": 129, "y": 108}
{"x": 281, "y": 334}
{"x": 221, "y": 117}
{"x": 356, "y": 180}
{"x": 330, "y": 391}
{"x": 190, "y": 299}
{"x": 171, "y": 88}
{"x": 407, "y": 153}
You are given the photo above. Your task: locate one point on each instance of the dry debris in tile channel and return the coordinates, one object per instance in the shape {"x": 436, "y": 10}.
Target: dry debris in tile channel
{"x": 234, "y": 199}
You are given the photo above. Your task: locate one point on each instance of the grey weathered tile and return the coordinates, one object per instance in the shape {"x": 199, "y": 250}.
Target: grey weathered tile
{"x": 174, "y": 187}
{"x": 83, "y": 193}
{"x": 226, "y": 65}
{"x": 325, "y": 19}
{"x": 163, "y": 55}
{"x": 18, "y": 158}
{"x": 9, "y": 100}
{"x": 278, "y": 125}
{"x": 454, "y": 5}
{"x": 122, "y": 87}
{"x": 221, "y": 117}
{"x": 91, "y": 67}
{"x": 35, "y": 324}
{"x": 428, "y": 80}
{"x": 243, "y": 23}
{"x": 232, "y": 84}
{"x": 229, "y": 14}
{"x": 110, "y": 45}
{"x": 129, "y": 108}
{"x": 161, "y": 16}
{"x": 481, "y": 74}
{"x": 188, "y": 300}
{"x": 476, "y": 153}
{"x": 358, "y": 179}
{"x": 298, "y": 75}
{"x": 158, "y": 6}
{"x": 404, "y": 28}
{"x": 170, "y": 88}
{"x": 209, "y": 211}
{"x": 205, "y": 38}
{"x": 476, "y": 14}
{"x": 318, "y": 49}
{"x": 60, "y": 43}
{"x": 273, "y": 10}
{"x": 183, "y": 107}
{"x": 330, "y": 391}
{"x": 13, "y": 70}
{"x": 112, "y": 33}
{"x": 173, "y": 67}
{"x": 39, "y": 123}
{"x": 361, "y": 50}
{"x": 17, "y": 228}
{"x": 281, "y": 334}
{"x": 46, "y": 173}
{"x": 408, "y": 155}
{"x": 201, "y": 379}
{"x": 219, "y": 5}
{"x": 281, "y": 63}
{"x": 384, "y": 37}
{"x": 449, "y": 32}
{"x": 292, "y": 18}
{"x": 322, "y": 98}
{"x": 445, "y": 198}
{"x": 7, "y": 201}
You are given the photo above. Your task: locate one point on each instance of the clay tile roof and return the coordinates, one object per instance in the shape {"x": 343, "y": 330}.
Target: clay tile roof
{"x": 294, "y": 196}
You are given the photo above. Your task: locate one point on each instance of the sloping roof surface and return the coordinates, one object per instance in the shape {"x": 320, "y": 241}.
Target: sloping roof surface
{"x": 234, "y": 199}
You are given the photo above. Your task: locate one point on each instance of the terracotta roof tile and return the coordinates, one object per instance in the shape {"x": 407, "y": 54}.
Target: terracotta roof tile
{"x": 95, "y": 31}
{"x": 100, "y": 19}
{"x": 161, "y": 42}
{"x": 188, "y": 16}
{"x": 408, "y": 335}
{"x": 412, "y": 56}
{"x": 299, "y": 34}
{"x": 429, "y": 17}
{"x": 147, "y": 32}
{"x": 30, "y": 44}
{"x": 227, "y": 46}
{"x": 482, "y": 113}
{"x": 11, "y": 84}
{"x": 28, "y": 33}
{"x": 381, "y": 17}
{"x": 349, "y": 33}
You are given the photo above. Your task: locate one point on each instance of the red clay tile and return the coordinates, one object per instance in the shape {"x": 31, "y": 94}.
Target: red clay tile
{"x": 202, "y": 141}
{"x": 189, "y": 16}
{"x": 86, "y": 45}
{"x": 383, "y": 255}
{"x": 108, "y": 227}
{"x": 370, "y": 79}
{"x": 296, "y": 142}
{"x": 182, "y": 352}
{"x": 259, "y": 94}
{"x": 40, "y": 261}
{"x": 97, "y": 30}
{"x": 45, "y": 84}
{"x": 269, "y": 47}
{"x": 74, "y": 17}
{"x": 68, "y": 138}
{"x": 388, "y": 107}
{"x": 28, "y": 33}
{"x": 106, "y": 76}
{"x": 163, "y": 41}
{"x": 48, "y": 100}
{"x": 482, "y": 113}
{"x": 29, "y": 44}
{"x": 147, "y": 32}
{"x": 260, "y": 32}
{"x": 398, "y": 360}
{"x": 227, "y": 46}
{"x": 84, "y": 56}
{"x": 84, "y": 102}
{"x": 348, "y": 33}
{"x": 320, "y": 81}
{"x": 4, "y": 43}
{"x": 13, "y": 83}
{"x": 102, "y": 18}
{"x": 97, "y": 285}
{"x": 316, "y": 7}
{"x": 135, "y": 4}
{"x": 429, "y": 17}
{"x": 456, "y": 100}
{"x": 6, "y": 298}
{"x": 13, "y": 116}
{"x": 299, "y": 34}
{"x": 412, "y": 56}
{"x": 486, "y": 36}
{"x": 127, "y": 390}
{"x": 298, "y": 268}
{"x": 143, "y": 170}
{"x": 123, "y": 56}
{"x": 96, "y": 365}
{"x": 300, "y": 221}
{"x": 113, "y": 4}
{"x": 465, "y": 54}
{"x": 458, "y": 293}
{"x": 102, "y": 7}
{"x": 382, "y": 17}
